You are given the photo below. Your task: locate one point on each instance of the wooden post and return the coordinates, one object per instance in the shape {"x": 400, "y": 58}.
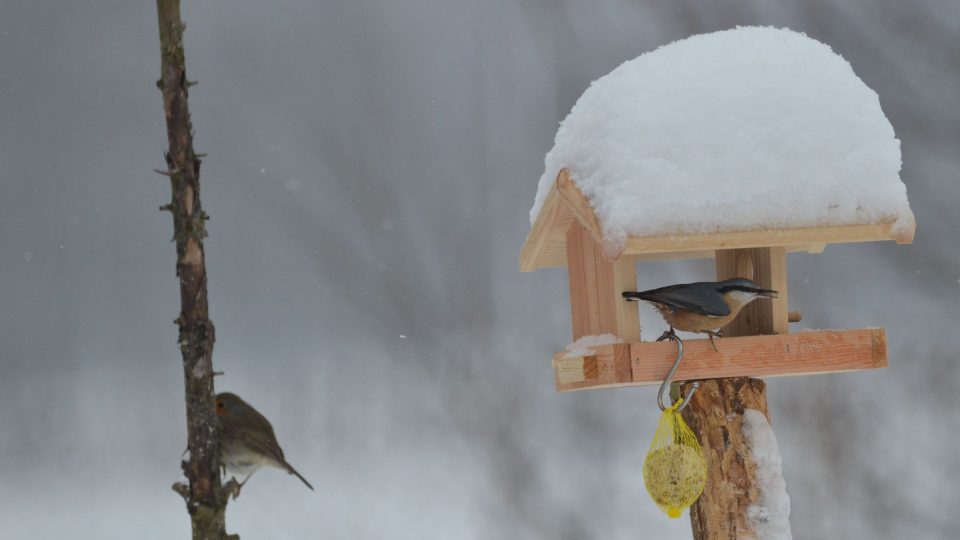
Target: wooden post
{"x": 768, "y": 267}
{"x": 717, "y": 409}
{"x": 596, "y": 284}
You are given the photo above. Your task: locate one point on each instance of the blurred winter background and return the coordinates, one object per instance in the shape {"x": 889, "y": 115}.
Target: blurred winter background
{"x": 371, "y": 166}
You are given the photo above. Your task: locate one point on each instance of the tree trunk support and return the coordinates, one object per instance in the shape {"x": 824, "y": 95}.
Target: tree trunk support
{"x": 205, "y": 497}
{"x": 716, "y": 410}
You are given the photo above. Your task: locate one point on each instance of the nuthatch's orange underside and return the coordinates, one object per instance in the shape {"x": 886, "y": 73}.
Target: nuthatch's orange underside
{"x": 702, "y": 307}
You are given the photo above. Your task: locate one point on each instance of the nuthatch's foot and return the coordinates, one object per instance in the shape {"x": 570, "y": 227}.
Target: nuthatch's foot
{"x": 712, "y": 335}
{"x": 668, "y": 334}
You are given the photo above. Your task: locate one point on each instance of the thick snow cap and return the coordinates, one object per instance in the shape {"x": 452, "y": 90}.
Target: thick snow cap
{"x": 745, "y": 129}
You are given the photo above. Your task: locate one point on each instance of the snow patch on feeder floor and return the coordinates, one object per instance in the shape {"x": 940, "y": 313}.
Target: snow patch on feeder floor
{"x": 585, "y": 345}
{"x": 753, "y": 128}
{"x": 770, "y": 518}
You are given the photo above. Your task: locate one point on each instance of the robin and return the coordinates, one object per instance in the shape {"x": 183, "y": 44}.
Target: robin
{"x": 247, "y": 442}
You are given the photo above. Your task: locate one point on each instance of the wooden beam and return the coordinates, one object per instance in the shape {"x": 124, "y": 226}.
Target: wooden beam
{"x": 574, "y": 368}
{"x": 767, "y": 267}
{"x": 681, "y": 247}
{"x": 579, "y": 205}
{"x": 608, "y": 367}
{"x": 554, "y": 255}
{"x": 779, "y": 355}
{"x": 547, "y": 233}
{"x": 544, "y": 246}
{"x": 811, "y": 237}
{"x": 596, "y": 284}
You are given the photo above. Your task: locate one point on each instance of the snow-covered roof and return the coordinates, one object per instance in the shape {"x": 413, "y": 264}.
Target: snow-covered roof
{"x": 748, "y": 129}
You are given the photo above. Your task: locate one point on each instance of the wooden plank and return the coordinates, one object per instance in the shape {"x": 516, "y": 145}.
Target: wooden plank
{"x": 804, "y": 353}
{"x": 575, "y": 368}
{"x": 580, "y": 206}
{"x": 809, "y": 236}
{"x": 564, "y": 204}
{"x": 679, "y": 247}
{"x": 544, "y": 246}
{"x": 582, "y": 280}
{"x": 621, "y": 275}
{"x": 548, "y": 231}
{"x": 778, "y": 355}
{"x": 768, "y": 268}
{"x": 596, "y": 284}
{"x": 554, "y": 255}
{"x": 613, "y": 367}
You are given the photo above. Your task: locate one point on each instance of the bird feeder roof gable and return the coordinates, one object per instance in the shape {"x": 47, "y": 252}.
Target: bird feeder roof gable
{"x": 741, "y": 138}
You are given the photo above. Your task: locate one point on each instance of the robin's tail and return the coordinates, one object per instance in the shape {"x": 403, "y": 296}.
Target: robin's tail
{"x": 294, "y": 472}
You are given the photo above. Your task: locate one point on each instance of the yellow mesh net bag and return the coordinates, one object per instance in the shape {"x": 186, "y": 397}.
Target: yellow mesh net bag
{"x": 674, "y": 470}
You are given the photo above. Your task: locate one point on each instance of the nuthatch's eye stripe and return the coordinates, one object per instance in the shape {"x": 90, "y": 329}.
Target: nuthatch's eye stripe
{"x": 729, "y": 288}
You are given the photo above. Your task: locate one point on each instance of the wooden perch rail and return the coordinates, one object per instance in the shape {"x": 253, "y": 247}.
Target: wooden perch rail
{"x": 646, "y": 363}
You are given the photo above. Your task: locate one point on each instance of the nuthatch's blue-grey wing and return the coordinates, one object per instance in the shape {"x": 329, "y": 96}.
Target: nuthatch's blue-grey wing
{"x": 701, "y": 298}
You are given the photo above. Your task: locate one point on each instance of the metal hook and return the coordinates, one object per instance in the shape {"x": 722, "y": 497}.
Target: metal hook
{"x": 671, "y": 335}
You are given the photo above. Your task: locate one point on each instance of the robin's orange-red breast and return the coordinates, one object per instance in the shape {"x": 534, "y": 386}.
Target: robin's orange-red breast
{"x": 247, "y": 441}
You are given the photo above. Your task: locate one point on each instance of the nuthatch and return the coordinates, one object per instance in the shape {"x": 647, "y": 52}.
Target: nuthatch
{"x": 702, "y": 307}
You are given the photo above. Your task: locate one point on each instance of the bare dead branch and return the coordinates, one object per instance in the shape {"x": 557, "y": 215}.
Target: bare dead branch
{"x": 205, "y": 498}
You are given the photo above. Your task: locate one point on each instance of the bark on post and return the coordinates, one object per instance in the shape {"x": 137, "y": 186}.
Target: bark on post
{"x": 716, "y": 410}
{"x": 206, "y": 499}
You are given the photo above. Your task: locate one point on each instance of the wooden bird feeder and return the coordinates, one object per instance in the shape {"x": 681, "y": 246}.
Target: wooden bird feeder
{"x": 567, "y": 233}
{"x": 760, "y": 136}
